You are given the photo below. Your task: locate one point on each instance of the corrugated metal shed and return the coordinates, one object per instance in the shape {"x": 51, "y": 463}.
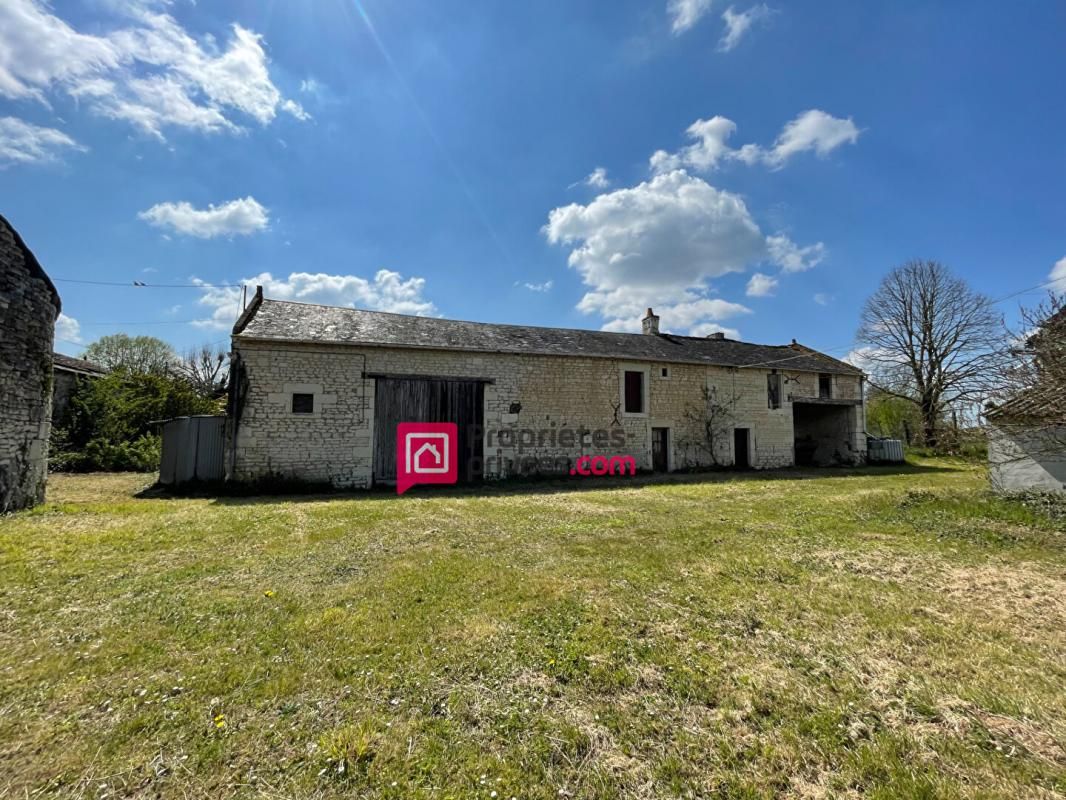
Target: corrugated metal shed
{"x": 884, "y": 451}
{"x": 193, "y": 450}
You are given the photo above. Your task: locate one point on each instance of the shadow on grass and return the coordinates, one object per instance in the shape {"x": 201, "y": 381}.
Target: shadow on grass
{"x": 272, "y": 491}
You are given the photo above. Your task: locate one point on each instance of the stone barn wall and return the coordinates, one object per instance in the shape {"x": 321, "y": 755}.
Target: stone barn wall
{"x": 530, "y": 392}
{"x": 29, "y": 305}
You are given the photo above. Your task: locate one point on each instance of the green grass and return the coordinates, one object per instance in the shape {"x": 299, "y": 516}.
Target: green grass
{"x": 879, "y": 633}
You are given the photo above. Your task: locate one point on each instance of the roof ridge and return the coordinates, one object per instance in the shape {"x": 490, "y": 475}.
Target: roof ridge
{"x": 294, "y": 320}
{"x": 513, "y": 324}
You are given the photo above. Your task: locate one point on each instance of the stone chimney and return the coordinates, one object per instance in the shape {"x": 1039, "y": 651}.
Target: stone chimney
{"x": 717, "y": 336}
{"x": 650, "y": 323}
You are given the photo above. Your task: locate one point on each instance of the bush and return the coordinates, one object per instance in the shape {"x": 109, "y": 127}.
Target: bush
{"x": 140, "y": 455}
{"x": 109, "y": 423}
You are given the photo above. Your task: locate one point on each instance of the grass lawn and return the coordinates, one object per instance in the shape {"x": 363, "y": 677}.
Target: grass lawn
{"x": 880, "y": 633}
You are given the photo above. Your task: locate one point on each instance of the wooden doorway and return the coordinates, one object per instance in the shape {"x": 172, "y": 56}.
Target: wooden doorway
{"x": 741, "y": 450}
{"x": 399, "y": 400}
{"x": 660, "y": 449}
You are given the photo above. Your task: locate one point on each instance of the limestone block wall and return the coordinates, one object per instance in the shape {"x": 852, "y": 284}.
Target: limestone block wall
{"x": 330, "y": 445}
{"x": 534, "y": 398}
{"x": 805, "y": 384}
{"x": 28, "y": 310}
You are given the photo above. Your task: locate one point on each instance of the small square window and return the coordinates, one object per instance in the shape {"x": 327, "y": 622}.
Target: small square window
{"x": 634, "y": 392}
{"x": 666, "y": 372}
{"x": 303, "y": 403}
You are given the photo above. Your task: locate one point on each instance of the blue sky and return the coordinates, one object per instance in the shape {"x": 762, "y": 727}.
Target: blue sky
{"x": 754, "y": 168}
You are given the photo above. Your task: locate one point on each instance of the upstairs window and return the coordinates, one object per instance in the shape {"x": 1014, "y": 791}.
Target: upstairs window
{"x": 825, "y": 386}
{"x": 634, "y": 392}
{"x": 303, "y": 403}
{"x": 773, "y": 390}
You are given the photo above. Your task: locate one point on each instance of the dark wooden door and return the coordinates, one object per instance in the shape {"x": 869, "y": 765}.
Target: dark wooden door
{"x": 399, "y": 400}
{"x": 741, "y": 455}
{"x": 660, "y": 449}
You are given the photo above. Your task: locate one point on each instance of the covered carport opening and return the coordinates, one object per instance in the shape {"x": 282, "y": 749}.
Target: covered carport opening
{"x": 822, "y": 430}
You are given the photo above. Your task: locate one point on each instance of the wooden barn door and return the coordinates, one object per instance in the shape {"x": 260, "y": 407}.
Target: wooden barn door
{"x": 399, "y": 400}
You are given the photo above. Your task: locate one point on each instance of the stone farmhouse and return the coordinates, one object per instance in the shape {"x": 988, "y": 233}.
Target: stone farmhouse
{"x": 317, "y": 392}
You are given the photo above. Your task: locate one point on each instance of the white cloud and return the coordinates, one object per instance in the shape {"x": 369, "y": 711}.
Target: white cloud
{"x": 294, "y": 108}
{"x": 597, "y": 179}
{"x": 791, "y": 257}
{"x": 151, "y": 73}
{"x": 760, "y": 285}
{"x": 812, "y": 130}
{"x": 823, "y": 299}
{"x": 546, "y": 286}
{"x": 68, "y": 329}
{"x": 388, "y": 291}
{"x": 657, "y": 244}
{"x": 686, "y": 13}
{"x": 737, "y": 24}
{"x": 709, "y": 148}
{"x": 38, "y": 49}
{"x": 235, "y": 218}
{"x": 1058, "y": 274}
{"x": 867, "y": 358}
{"x": 23, "y": 143}
{"x": 707, "y": 328}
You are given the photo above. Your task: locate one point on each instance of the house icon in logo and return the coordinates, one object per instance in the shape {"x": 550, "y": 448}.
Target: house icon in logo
{"x": 425, "y": 453}
{"x": 433, "y": 459}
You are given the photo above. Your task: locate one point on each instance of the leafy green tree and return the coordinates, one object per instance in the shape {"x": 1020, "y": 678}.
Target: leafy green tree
{"x": 135, "y": 354}
{"x": 892, "y": 417}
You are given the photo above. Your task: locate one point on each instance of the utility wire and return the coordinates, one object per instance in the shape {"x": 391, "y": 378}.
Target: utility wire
{"x": 143, "y": 285}
{"x": 1044, "y": 285}
{"x": 146, "y": 322}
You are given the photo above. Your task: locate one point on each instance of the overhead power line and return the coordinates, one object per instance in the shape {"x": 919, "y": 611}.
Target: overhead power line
{"x": 1043, "y": 285}
{"x": 147, "y": 322}
{"x": 143, "y": 285}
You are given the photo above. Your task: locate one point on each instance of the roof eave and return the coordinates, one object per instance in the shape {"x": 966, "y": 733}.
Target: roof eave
{"x": 239, "y": 336}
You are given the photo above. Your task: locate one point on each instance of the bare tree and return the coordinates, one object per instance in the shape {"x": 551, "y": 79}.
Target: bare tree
{"x": 1031, "y": 406}
{"x": 206, "y": 369}
{"x": 712, "y": 424}
{"x": 1043, "y": 355}
{"x": 932, "y": 340}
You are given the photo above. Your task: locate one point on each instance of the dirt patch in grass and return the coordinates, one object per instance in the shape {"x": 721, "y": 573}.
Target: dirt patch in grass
{"x": 1023, "y": 594}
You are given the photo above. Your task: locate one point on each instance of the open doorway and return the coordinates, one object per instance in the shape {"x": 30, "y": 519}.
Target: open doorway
{"x": 823, "y": 433}
{"x": 741, "y": 451}
{"x": 660, "y": 449}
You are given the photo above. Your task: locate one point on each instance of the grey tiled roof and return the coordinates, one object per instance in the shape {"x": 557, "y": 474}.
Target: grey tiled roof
{"x": 76, "y": 364}
{"x": 275, "y": 320}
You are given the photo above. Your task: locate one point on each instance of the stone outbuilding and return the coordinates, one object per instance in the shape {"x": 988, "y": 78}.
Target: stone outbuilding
{"x": 317, "y": 393}
{"x": 67, "y": 373}
{"x": 1027, "y": 442}
{"x": 29, "y": 306}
